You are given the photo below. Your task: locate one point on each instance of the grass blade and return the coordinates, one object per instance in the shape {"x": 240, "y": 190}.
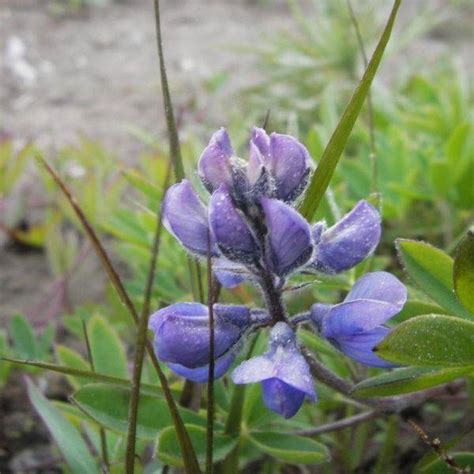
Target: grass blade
{"x": 333, "y": 151}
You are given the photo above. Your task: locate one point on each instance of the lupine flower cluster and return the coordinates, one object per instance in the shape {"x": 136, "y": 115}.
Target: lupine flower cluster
{"x": 252, "y": 232}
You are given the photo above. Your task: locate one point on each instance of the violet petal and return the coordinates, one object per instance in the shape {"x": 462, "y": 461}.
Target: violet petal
{"x": 231, "y": 232}
{"x": 290, "y": 165}
{"x": 349, "y": 241}
{"x": 359, "y": 347}
{"x": 214, "y": 165}
{"x": 185, "y": 216}
{"x": 201, "y": 374}
{"x": 288, "y": 238}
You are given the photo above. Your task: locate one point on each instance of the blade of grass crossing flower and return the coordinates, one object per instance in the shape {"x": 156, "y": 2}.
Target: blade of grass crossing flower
{"x": 141, "y": 339}
{"x": 333, "y": 151}
{"x": 189, "y": 455}
{"x": 210, "y": 378}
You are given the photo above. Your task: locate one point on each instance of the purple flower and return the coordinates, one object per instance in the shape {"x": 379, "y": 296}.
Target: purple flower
{"x": 233, "y": 236}
{"x": 348, "y": 242}
{"x": 282, "y": 371}
{"x": 185, "y": 216}
{"x": 288, "y": 242}
{"x": 182, "y": 336}
{"x": 355, "y": 326}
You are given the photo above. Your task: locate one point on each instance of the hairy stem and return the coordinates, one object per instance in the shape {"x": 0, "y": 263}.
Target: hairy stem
{"x": 272, "y": 296}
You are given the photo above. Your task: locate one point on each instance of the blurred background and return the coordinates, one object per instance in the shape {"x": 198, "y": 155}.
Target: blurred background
{"x": 79, "y": 85}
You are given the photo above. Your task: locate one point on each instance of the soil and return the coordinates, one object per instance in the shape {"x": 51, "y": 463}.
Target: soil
{"x": 65, "y": 73}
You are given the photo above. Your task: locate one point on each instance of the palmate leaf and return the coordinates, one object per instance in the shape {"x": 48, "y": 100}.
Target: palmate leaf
{"x": 108, "y": 406}
{"x": 70, "y": 442}
{"x": 432, "y": 270}
{"x": 332, "y": 153}
{"x": 430, "y": 340}
{"x": 408, "y": 380}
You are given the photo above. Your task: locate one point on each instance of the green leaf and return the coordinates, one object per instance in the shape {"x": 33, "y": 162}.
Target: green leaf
{"x": 71, "y": 358}
{"x": 294, "y": 449}
{"x": 45, "y": 341}
{"x": 338, "y": 140}
{"x": 429, "y": 341}
{"x": 407, "y": 380}
{"x": 463, "y": 460}
{"x": 432, "y": 270}
{"x": 168, "y": 449}
{"x": 23, "y": 337}
{"x": 69, "y": 441}
{"x": 415, "y": 308}
{"x": 108, "y": 406}
{"x": 107, "y": 351}
{"x": 463, "y": 272}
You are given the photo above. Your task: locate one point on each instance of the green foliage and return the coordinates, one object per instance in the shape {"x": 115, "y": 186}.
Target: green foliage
{"x": 293, "y": 449}
{"x": 463, "y": 272}
{"x": 107, "y": 351}
{"x": 168, "y": 452}
{"x": 430, "y": 341}
{"x": 407, "y": 380}
{"x": 70, "y": 443}
{"x": 432, "y": 270}
{"x": 108, "y": 406}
